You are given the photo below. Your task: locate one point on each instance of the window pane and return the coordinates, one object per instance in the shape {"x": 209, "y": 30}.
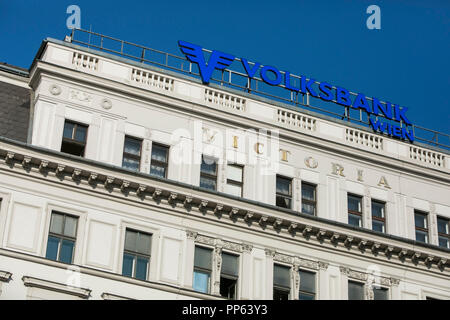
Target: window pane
{"x": 442, "y": 225}
{"x": 68, "y": 130}
{"x": 378, "y": 209}
{"x": 284, "y": 186}
{"x": 159, "y": 153}
{"x": 355, "y": 291}
{"x": 56, "y": 223}
{"x": 209, "y": 165}
{"x": 52, "y": 248}
{"x": 308, "y": 208}
{"x": 131, "y": 240}
{"x": 70, "y": 227}
{"x": 380, "y": 294}
{"x": 144, "y": 243}
{"x": 158, "y": 171}
{"x": 354, "y": 203}
{"x": 281, "y": 276}
{"x": 354, "y": 220}
{"x": 443, "y": 242}
{"x": 421, "y": 236}
{"x": 228, "y": 288}
{"x": 203, "y": 258}
{"x": 234, "y": 173}
{"x": 127, "y": 267}
{"x": 305, "y": 296}
{"x": 377, "y": 226}
{"x": 208, "y": 183}
{"x": 130, "y": 164}
{"x": 279, "y": 294}
{"x": 283, "y": 202}
{"x": 141, "y": 268}
{"x": 80, "y": 133}
{"x": 201, "y": 281}
{"x": 66, "y": 253}
{"x": 308, "y": 192}
{"x": 229, "y": 264}
{"x": 307, "y": 281}
{"x": 132, "y": 146}
{"x": 421, "y": 220}
{"x": 233, "y": 190}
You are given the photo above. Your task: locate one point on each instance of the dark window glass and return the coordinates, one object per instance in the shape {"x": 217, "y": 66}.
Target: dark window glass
{"x": 74, "y": 138}
{"x": 61, "y": 237}
{"x": 380, "y": 293}
{"x": 443, "y": 226}
{"x": 229, "y": 276}
{"x": 421, "y": 223}
{"x": 132, "y": 153}
{"x": 136, "y": 255}
{"x": 284, "y": 192}
{"x": 307, "y": 285}
{"x": 208, "y": 173}
{"x": 354, "y": 210}
{"x": 202, "y": 269}
{"x": 308, "y": 198}
{"x": 281, "y": 282}
{"x": 378, "y": 216}
{"x": 355, "y": 291}
{"x": 160, "y": 160}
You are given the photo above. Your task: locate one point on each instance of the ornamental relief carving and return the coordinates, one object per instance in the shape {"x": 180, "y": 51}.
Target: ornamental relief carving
{"x": 218, "y": 243}
{"x": 80, "y": 96}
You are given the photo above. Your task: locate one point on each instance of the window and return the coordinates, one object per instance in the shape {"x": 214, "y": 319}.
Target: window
{"x": 61, "y": 237}
{"x": 132, "y": 153}
{"x": 309, "y": 198}
{"x": 378, "y": 216}
{"x": 229, "y": 276}
{"x": 281, "y": 282}
{"x": 380, "y": 293}
{"x": 234, "y": 180}
{"x": 208, "y": 173}
{"x": 354, "y": 210}
{"x": 355, "y": 290}
{"x": 202, "y": 269}
{"x": 443, "y": 226}
{"x": 160, "y": 160}
{"x": 421, "y": 222}
{"x": 74, "y": 138}
{"x": 284, "y": 192}
{"x": 307, "y": 285}
{"x": 136, "y": 254}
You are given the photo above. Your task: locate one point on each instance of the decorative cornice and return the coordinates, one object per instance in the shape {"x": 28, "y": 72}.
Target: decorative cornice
{"x": 5, "y": 276}
{"x": 54, "y": 286}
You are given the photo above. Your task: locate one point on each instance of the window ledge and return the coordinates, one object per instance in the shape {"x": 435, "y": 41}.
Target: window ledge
{"x": 54, "y": 286}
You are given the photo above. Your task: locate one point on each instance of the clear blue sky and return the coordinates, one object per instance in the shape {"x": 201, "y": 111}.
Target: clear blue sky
{"x": 406, "y": 62}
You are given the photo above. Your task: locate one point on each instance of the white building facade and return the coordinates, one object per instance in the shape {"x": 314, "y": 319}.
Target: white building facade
{"x": 110, "y": 197}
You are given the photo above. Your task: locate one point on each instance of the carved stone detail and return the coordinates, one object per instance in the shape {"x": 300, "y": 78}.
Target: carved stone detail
{"x": 191, "y": 234}
{"x": 106, "y": 104}
{"x": 55, "y": 90}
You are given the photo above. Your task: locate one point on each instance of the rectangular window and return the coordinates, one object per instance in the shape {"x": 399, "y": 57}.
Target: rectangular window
{"x": 281, "y": 282}
{"x": 284, "y": 192}
{"x": 132, "y": 153}
{"x": 235, "y": 175}
{"x": 229, "y": 276}
{"x": 421, "y": 222}
{"x": 202, "y": 269}
{"x": 208, "y": 173}
{"x": 309, "y": 198}
{"x": 160, "y": 160}
{"x": 355, "y": 290}
{"x": 378, "y": 216}
{"x": 443, "y": 226}
{"x": 136, "y": 254}
{"x": 74, "y": 138}
{"x": 307, "y": 285}
{"x": 61, "y": 237}
{"x": 354, "y": 210}
{"x": 380, "y": 293}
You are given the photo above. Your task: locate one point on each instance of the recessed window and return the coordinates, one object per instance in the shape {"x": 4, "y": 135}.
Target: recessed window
{"x": 229, "y": 276}
{"x": 443, "y": 226}
{"x": 136, "y": 254}
{"x": 421, "y": 223}
{"x": 281, "y": 282}
{"x": 234, "y": 180}
{"x": 160, "y": 160}
{"x": 202, "y": 269}
{"x": 307, "y": 285}
{"x": 74, "y": 138}
{"x": 355, "y": 290}
{"x": 208, "y": 173}
{"x": 61, "y": 237}
{"x": 284, "y": 192}
{"x": 354, "y": 210}
{"x": 380, "y": 293}
{"x": 378, "y": 216}
{"x": 308, "y": 198}
{"x": 132, "y": 153}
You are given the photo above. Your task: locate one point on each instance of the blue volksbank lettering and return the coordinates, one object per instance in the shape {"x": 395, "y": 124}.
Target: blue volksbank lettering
{"x": 274, "y": 77}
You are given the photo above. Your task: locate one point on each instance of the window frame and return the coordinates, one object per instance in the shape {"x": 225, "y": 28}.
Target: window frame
{"x": 208, "y": 175}
{"x": 444, "y": 235}
{"x": 131, "y": 155}
{"x": 280, "y": 287}
{"x": 72, "y": 140}
{"x": 229, "y": 276}
{"x": 307, "y": 201}
{"x": 234, "y": 182}
{"x": 426, "y": 230}
{"x": 356, "y": 213}
{"x": 378, "y": 287}
{"x": 137, "y": 254}
{"x": 383, "y": 219}
{"x": 358, "y": 282}
{"x": 278, "y": 194}
{"x": 159, "y": 163}
{"x": 315, "y": 283}
{"x": 62, "y": 237}
{"x": 203, "y": 269}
